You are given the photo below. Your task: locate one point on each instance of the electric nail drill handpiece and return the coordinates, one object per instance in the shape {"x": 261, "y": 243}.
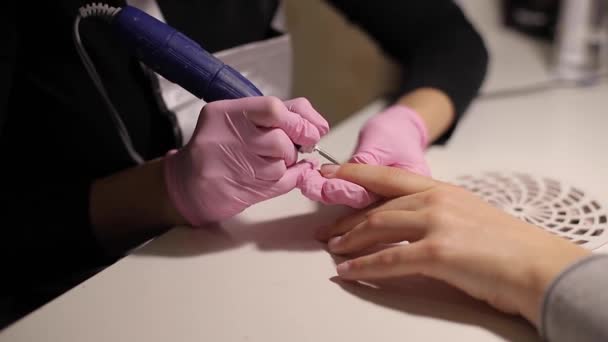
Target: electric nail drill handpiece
{"x": 181, "y": 60}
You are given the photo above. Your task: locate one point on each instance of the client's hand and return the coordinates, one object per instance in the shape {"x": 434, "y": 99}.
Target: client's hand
{"x": 453, "y": 236}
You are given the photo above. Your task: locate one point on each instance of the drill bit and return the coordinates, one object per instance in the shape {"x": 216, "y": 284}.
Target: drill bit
{"x": 325, "y": 155}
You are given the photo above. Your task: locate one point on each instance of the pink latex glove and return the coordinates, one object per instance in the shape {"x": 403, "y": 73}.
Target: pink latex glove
{"x": 395, "y": 137}
{"x": 242, "y": 152}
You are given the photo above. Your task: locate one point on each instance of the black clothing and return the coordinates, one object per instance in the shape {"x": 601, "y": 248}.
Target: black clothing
{"x": 56, "y": 137}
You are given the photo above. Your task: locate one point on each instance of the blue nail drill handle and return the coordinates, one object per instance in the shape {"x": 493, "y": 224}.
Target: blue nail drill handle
{"x": 178, "y": 58}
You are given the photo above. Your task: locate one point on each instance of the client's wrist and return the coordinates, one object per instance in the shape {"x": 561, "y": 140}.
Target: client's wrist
{"x": 542, "y": 272}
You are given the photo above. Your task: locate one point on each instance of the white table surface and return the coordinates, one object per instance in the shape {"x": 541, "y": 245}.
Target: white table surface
{"x": 261, "y": 276}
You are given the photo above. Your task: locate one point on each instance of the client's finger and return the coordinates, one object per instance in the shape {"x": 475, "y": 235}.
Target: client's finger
{"x": 389, "y": 263}
{"x": 345, "y": 224}
{"x": 383, "y": 180}
{"x": 382, "y": 227}
{"x": 335, "y": 191}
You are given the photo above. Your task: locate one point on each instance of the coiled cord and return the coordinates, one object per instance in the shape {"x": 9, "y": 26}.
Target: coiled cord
{"x": 98, "y": 10}
{"x": 106, "y": 12}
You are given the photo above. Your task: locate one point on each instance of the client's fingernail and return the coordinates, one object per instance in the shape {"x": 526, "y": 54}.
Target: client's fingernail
{"x": 329, "y": 170}
{"x": 334, "y": 242}
{"x": 343, "y": 268}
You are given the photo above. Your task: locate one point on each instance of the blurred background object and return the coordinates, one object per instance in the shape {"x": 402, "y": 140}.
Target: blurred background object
{"x": 535, "y": 17}
{"x": 577, "y": 28}
{"x": 581, "y": 49}
{"x": 571, "y": 34}
{"x": 336, "y": 65}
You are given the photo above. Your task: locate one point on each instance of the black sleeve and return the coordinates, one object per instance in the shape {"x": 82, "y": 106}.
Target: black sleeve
{"x": 7, "y": 58}
{"x": 432, "y": 40}
{"x": 44, "y": 222}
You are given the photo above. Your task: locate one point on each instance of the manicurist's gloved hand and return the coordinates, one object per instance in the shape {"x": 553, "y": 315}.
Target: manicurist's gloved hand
{"x": 395, "y": 137}
{"x": 242, "y": 152}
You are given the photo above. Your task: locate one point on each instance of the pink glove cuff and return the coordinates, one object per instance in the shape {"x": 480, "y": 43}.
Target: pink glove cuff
{"x": 414, "y": 118}
{"x": 176, "y": 192}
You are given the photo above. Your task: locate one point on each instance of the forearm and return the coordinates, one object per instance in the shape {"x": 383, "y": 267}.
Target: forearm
{"x": 575, "y": 307}
{"x": 436, "y": 46}
{"x": 132, "y": 206}
{"x": 434, "y": 107}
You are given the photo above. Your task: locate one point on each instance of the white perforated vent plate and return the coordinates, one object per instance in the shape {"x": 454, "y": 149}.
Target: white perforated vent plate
{"x": 557, "y": 207}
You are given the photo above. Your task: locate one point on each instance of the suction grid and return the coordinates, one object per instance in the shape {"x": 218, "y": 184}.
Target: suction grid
{"x": 550, "y": 204}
